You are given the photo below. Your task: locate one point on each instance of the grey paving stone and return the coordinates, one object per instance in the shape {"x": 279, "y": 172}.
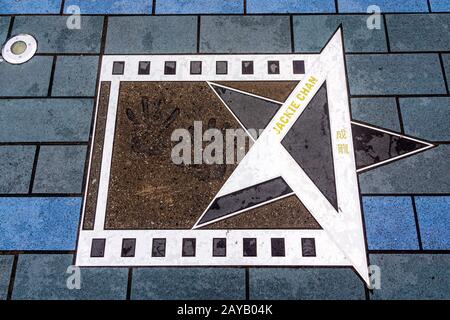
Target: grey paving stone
{"x": 16, "y": 164}
{"x": 427, "y": 118}
{"x": 245, "y": 34}
{"x": 412, "y": 276}
{"x": 60, "y": 169}
{"x": 176, "y": 34}
{"x": 426, "y": 172}
{"x": 392, "y": 74}
{"x": 419, "y": 32}
{"x": 53, "y": 35}
{"x": 75, "y": 76}
{"x": 35, "y": 120}
{"x": 188, "y": 283}
{"x": 446, "y": 61}
{"x": 311, "y": 33}
{"x": 30, "y": 79}
{"x": 6, "y": 262}
{"x": 305, "y": 283}
{"x": 44, "y": 277}
{"x": 381, "y": 112}
{"x": 4, "y": 25}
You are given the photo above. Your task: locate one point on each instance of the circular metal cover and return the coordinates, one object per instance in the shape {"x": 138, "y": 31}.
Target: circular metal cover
{"x": 19, "y": 49}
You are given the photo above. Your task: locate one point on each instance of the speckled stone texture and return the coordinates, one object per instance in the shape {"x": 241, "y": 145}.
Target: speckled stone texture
{"x": 16, "y": 164}
{"x": 252, "y": 34}
{"x": 6, "y": 262}
{"x": 412, "y": 276}
{"x": 53, "y": 36}
{"x": 305, "y": 283}
{"x": 357, "y": 38}
{"x": 51, "y": 120}
{"x": 39, "y": 223}
{"x": 45, "y": 277}
{"x": 110, "y": 6}
{"x": 4, "y": 25}
{"x": 188, "y": 283}
{"x": 199, "y": 6}
{"x": 290, "y": 6}
{"x": 152, "y": 35}
{"x": 381, "y": 112}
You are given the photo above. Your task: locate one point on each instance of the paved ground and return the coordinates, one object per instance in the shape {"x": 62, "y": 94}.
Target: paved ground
{"x": 399, "y": 78}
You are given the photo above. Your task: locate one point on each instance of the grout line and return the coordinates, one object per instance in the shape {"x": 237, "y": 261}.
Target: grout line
{"x": 198, "y": 32}
{"x": 154, "y": 7}
{"x": 247, "y": 283}
{"x": 245, "y": 7}
{"x": 40, "y": 195}
{"x": 129, "y": 283}
{"x": 429, "y": 6}
{"x": 403, "y": 251}
{"x": 336, "y": 5}
{"x": 416, "y": 219}
{"x": 52, "y": 76}
{"x": 33, "y": 170}
{"x": 57, "y": 143}
{"x": 11, "y": 23}
{"x": 400, "y": 118}
{"x": 291, "y": 26}
{"x": 441, "y": 60}
{"x": 388, "y": 43}
{"x": 12, "y": 278}
{"x": 63, "y": 2}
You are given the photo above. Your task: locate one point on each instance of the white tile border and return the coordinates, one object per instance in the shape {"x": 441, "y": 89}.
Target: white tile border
{"x": 328, "y": 253}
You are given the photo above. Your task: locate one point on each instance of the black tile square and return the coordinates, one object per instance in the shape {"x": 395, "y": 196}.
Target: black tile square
{"x": 299, "y": 66}
{"x": 170, "y": 67}
{"x": 273, "y": 67}
{"x": 219, "y": 247}
{"x": 278, "y": 249}
{"x": 118, "y": 67}
{"x": 247, "y": 67}
{"x": 128, "y": 247}
{"x": 221, "y": 67}
{"x": 188, "y": 247}
{"x": 144, "y": 67}
{"x": 196, "y": 67}
{"x": 159, "y": 247}
{"x": 98, "y": 248}
{"x": 249, "y": 246}
{"x": 308, "y": 247}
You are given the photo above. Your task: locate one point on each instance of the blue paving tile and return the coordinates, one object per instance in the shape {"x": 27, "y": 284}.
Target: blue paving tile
{"x": 39, "y": 223}
{"x": 434, "y": 221}
{"x": 440, "y": 5}
{"x": 385, "y": 5}
{"x": 426, "y": 172}
{"x": 44, "y": 277}
{"x": 16, "y": 164}
{"x": 29, "y": 6}
{"x": 446, "y": 61}
{"x": 6, "y": 262}
{"x": 304, "y": 283}
{"x": 60, "y": 169}
{"x": 412, "y": 276}
{"x": 152, "y": 35}
{"x": 188, "y": 283}
{"x": 392, "y": 74}
{"x": 291, "y": 6}
{"x": 381, "y": 112}
{"x": 390, "y": 223}
{"x": 75, "y": 76}
{"x": 427, "y": 118}
{"x": 36, "y": 120}
{"x": 36, "y": 72}
{"x": 245, "y": 34}
{"x": 419, "y": 32}
{"x": 199, "y": 6}
{"x": 110, "y": 6}
{"x": 4, "y": 25}
{"x": 311, "y": 33}
{"x": 53, "y": 36}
